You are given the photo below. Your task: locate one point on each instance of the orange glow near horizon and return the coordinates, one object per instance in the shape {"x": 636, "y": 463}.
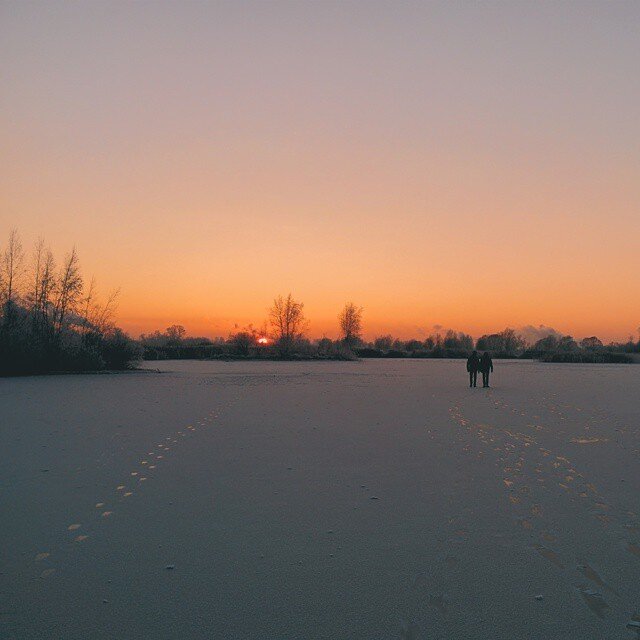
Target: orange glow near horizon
{"x": 457, "y": 166}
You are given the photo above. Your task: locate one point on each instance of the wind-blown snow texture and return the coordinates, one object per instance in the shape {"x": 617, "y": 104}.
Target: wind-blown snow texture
{"x": 366, "y": 500}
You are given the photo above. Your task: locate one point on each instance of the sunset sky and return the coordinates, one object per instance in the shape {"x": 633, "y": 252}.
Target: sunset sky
{"x": 469, "y": 165}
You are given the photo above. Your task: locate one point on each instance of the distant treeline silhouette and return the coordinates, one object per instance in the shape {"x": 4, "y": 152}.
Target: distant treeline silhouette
{"x": 51, "y": 321}
{"x": 284, "y": 337}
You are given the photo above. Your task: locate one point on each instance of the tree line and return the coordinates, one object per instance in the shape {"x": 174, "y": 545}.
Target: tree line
{"x": 51, "y": 319}
{"x": 284, "y": 336}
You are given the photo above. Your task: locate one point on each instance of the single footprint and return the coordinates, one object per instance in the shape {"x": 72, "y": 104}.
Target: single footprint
{"x": 591, "y": 574}
{"x": 594, "y": 601}
{"x": 634, "y": 624}
{"x": 549, "y": 554}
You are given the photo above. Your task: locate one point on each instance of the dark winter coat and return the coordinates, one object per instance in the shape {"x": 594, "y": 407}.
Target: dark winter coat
{"x": 486, "y": 363}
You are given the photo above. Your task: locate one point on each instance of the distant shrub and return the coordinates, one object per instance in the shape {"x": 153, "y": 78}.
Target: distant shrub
{"x": 420, "y": 353}
{"x": 383, "y": 343}
{"x": 368, "y": 352}
{"x": 120, "y": 351}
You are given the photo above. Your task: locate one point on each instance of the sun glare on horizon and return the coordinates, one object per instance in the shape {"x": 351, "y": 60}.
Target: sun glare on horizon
{"x": 469, "y": 165}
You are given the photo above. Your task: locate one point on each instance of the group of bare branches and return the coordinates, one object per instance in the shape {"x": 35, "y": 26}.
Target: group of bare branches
{"x": 46, "y": 309}
{"x": 56, "y": 298}
{"x": 287, "y": 319}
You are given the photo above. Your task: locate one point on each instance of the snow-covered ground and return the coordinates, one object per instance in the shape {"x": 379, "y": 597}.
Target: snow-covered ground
{"x": 358, "y": 500}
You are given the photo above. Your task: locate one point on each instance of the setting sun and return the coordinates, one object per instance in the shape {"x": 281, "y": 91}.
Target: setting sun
{"x": 438, "y": 164}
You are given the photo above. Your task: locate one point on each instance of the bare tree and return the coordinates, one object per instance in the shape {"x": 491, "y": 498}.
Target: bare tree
{"x": 45, "y": 292}
{"x": 96, "y": 316}
{"x": 88, "y": 304}
{"x": 351, "y": 324}
{"x": 69, "y": 292}
{"x": 383, "y": 343}
{"x": 38, "y": 289}
{"x": 11, "y": 271}
{"x": 47, "y": 322}
{"x": 287, "y": 319}
{"x": 33, "y": 294}
{"x": 175, "y": 334}
{"x": 243, "y": 340}
{"x": 592, "y": 342}
{"x": 104, "y": 313}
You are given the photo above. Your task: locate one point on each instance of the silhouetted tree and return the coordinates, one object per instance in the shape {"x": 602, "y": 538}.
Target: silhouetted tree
{"x": 69, "y": 293}
{"x": 325, "y": 346}
{"x": 591, "y": 343}
{"x": 47, "y": 321}
{"x": 351, "y": 325}
{"x": 458, "y": 341}
{"x": 119, "y": 351}
{"x": 547, "y": 344}
{"x": 287, "y": 319}
{"x": 383, "y": 343}
{"x": 43, "y": 283}
{"x": 11, "y": 270}
{"x": 244, "y": 340}
{"x": 506, "y": 342}
{"x": 450, "y": 339}
{"x": 567, "y": 343}
{"x": 512, "y": 343}
{"x": 175, "y": 333}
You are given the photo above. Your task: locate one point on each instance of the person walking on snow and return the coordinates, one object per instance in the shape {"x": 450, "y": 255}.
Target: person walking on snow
{"x": 473, "y": 364}
{"x": 486, "y": 366}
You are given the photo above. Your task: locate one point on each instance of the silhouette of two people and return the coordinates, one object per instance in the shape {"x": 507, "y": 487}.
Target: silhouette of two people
{"x": 483, "y": 364}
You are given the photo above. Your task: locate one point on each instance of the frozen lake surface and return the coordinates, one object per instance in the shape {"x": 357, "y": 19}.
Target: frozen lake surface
{"x": 357, "y": 500}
